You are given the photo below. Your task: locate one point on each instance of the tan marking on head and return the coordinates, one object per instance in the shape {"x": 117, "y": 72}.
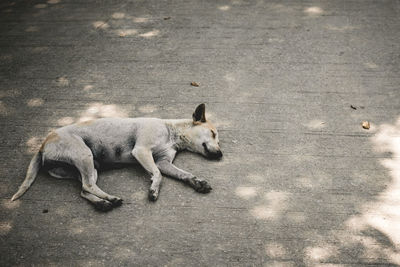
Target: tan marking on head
{"x": 210, "y": 126}
{"x": 85, "y": 123}
{"x": 51, "y": 138}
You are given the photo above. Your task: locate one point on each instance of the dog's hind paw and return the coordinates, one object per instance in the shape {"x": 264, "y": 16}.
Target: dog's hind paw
{"x": 201, "y": 186}
{"x": 153, "y": 195}
{"x": 103, "y": 205}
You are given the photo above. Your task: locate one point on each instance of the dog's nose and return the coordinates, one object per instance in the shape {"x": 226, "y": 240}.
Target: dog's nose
{"x": 219, "y": 154}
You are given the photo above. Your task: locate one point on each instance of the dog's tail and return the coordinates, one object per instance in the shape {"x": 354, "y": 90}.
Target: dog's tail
{"x": 33, "y": 170}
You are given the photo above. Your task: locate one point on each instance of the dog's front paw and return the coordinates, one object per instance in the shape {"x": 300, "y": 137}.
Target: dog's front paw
{"x": 116, "y": 202}
{"x": 153, "y": 195}
{"x": 201, "y": 186}
{"x": 103, "y": 205}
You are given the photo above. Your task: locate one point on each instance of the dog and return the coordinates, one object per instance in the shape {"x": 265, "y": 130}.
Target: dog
{"x": 78, "y": 151}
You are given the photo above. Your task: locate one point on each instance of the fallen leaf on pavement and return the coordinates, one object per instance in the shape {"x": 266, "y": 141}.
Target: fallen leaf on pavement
{"x": 366, "y": 125}
{"x": 194, "y": 84}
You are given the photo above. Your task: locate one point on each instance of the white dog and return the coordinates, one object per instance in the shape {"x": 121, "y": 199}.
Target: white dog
{"x": 79, "y": 149}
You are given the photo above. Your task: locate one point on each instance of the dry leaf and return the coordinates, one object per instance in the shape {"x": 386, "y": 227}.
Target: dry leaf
{"x": 194, "y": 84}
{"x": 167, "y": 18}
{"x": 366, "y": 125}
{"x": 353, "y": 107}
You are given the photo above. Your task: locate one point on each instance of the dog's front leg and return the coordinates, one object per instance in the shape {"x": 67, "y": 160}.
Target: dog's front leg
{"x": 145, "y": 158}
{"x": 167, "y": 168}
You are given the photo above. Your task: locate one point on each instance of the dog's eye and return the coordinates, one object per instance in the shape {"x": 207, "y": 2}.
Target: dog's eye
{"x": 213, "y": 133}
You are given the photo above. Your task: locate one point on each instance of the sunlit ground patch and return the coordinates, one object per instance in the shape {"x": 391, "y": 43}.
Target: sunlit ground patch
{"x": 140, "y": 20}
{"x": 88, "y": 88}
{"x": 35, "y": 102}
{"x": 315, "y": 124}
{"x": 314, "y": 11}
{"x": 321, "y": 253}
{"x": 371, "y": 65}
{"x": 65, "y": 121}
{"x": 10, "y": 205}
{"x": 224, "y": 8}
{"x": 100, "y": 25}
{"x": 127, "y": 32}
{"x": 246, "y": 192}
{"x": 118, "y": 15}
{"x": 340, "y": 28}
{"x": 52, "y": 2}
{"x": 62, "y": 81}
{"x": 150, "y": 34}
{"x": 5, "y": 228}
{"x": 275, "y": 250}
{"x": 34, "y": 144}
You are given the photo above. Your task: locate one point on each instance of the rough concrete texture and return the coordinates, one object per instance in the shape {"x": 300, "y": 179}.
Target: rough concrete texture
{"x": 301, "y": 184}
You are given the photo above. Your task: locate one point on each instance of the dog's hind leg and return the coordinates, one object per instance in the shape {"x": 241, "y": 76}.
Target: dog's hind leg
{"x": 145, "y": 158}
{"x": 99, "y": 203}
{"x": 72, "y": 150}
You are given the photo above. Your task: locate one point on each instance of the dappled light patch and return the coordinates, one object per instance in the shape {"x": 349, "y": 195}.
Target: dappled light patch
{"x": 371, "y": 65}
{"x": 264, "y": 212}
{"x": 314, "y": 11}
{"x": 10, "y": 205}
{"x": 246, "y": 192}
{"x": 315, "y": 124}
{"x": 340, "y": 29}
{"x": 275, "y": 250}
{"x": 140, "y": 20}
{"x": 65, "y": 121}
{"x": 53, "y": 2}
{"x": 88, "y": 88}
{"x": 224, "y": 8}
{"x": 150, "y": 34}
{"x": 118, "y": 15}
{"x": 274, "y": 206}
{"x": 127, "y": 32}
{"x": 99, "y": 110}
{"x": 5, "y": 228}
{"x": 34, "y": 144}
{"x": 321, "y": 253}
{"x": 229, "y": 77}
{"x": 62, "y": 81}
{"x": 275, "y": 40}
{"x": 100, "y": 25}
{"x": 35, "y": 102}
{"x": 147, "y": 108}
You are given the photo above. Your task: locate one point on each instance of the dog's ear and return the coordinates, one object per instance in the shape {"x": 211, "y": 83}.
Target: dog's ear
{"x": 199, "y": 114}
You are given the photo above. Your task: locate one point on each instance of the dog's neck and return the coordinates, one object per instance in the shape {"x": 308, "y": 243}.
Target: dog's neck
{"x": 178, "y": 132}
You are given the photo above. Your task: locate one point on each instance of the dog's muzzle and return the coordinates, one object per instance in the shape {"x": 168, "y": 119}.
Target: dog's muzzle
{"x": 211, "y": 154}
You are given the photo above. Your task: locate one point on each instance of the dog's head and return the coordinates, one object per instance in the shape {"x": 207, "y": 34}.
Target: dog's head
{"x": 203, "y": 136}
